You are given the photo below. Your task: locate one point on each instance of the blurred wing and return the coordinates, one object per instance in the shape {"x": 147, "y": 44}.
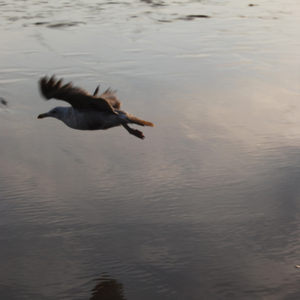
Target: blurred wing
{"x": 78, "y": 98}
{"x": 110, "y": 96}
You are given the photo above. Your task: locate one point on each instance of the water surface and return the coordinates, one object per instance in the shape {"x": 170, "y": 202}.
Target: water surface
{"x": 207, "y": 206}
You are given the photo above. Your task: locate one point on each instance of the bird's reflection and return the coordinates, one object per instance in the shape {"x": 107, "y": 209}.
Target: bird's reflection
{"x": 107, "y": 288}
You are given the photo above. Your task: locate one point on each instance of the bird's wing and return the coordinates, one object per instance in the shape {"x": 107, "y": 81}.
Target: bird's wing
{"x": 110, "y": 96}
{"x": 77, "y": 97}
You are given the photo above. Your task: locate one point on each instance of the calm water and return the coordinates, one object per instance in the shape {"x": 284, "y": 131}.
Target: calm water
{"x": 207, "y": 206}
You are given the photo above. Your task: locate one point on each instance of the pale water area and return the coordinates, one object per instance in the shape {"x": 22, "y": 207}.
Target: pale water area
{"x": 207, "y": 206}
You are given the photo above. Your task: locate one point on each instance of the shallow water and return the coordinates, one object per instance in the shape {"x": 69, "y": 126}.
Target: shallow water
{"x": 206, "y": 207}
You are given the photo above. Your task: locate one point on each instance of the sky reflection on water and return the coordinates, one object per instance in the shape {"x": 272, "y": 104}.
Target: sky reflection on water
{"x": 207, "y": 205}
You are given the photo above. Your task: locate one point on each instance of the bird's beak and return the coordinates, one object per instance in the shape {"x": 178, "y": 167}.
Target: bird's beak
{"x": 41, "y": 116}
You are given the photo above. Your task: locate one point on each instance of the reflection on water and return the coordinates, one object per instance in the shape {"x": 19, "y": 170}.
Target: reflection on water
{"x": 207, "y": 206}
{"x": 107, "y": 288}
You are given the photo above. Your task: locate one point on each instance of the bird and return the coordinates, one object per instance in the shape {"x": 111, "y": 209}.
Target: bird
{"x": 87, "y": 111}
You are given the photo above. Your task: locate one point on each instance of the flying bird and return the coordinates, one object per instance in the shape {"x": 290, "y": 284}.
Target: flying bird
{"x": 88, "y": 111}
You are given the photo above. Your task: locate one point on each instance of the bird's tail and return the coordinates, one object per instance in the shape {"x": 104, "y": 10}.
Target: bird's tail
{"x": 135, "y": 120}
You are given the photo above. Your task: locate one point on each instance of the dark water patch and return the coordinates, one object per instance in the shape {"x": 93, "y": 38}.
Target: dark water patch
{"x": 40, "y": 23}
{"x": 164, "y": 21}
{"x": 192, "y": 17}
{"x": 113, "y": 3}
{"x": 58, "y": 24}
{"x": 3, "y": 101}
{"x": 64, "y": 24}
{"x": 154, "y": 3}
{"x": 185, "y": 18}
{"x": 107, "y": 288}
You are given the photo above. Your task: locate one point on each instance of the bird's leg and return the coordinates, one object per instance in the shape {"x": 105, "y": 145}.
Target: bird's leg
{"x": 96, "y": 90}
{"x": 135, "y": 132}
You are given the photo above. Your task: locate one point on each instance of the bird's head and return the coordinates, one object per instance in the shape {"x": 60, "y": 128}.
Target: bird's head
{"x": 57, "y": 112}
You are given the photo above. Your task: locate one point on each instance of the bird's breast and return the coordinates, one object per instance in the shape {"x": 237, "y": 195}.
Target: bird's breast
{"x": 93, "y": 120}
